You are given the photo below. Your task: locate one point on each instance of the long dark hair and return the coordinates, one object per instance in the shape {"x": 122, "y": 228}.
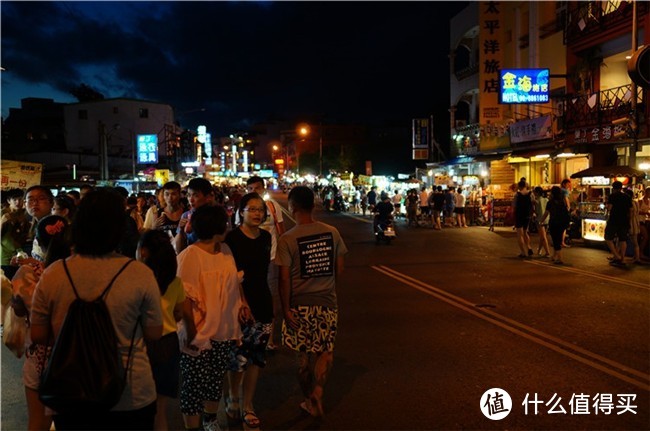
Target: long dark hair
{"x": 161, "y": 258}
{"x": 53, "y": 235}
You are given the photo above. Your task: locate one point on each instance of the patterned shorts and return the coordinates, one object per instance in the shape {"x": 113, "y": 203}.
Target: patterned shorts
{"x": 317, "y": 331}
{"x": 252, "y": 349}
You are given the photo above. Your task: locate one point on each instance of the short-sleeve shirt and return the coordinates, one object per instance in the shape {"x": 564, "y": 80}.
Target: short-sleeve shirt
{"x": 134, "y": 293}
{"x": 175, "y": 294}
{"x": 212, "y": 285}
{"x": 311, "y": 251}
{"x": 619, "y": 213}
{"x": 191, "y": 236}
{"x": 274, "y": 216}
{"x": 253, "y": 255}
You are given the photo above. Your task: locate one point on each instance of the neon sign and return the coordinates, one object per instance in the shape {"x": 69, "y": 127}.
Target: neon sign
{"x": 524, "y": 86}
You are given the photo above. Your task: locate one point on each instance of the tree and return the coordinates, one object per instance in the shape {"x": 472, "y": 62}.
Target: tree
{"x": 85, "y": 93}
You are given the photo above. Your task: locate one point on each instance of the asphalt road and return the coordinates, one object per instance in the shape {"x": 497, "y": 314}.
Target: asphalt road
{"x": 433, "y": 321}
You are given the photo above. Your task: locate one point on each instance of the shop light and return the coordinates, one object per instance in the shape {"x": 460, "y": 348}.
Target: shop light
{"x": 484, "y": 173}
{"x": 645, "y": 166}
{"x": 566, "y": 155}
{"x": 542, "y": 156}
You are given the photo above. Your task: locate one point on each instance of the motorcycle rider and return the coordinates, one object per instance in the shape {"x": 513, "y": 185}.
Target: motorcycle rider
{"x": 383, "y": 211}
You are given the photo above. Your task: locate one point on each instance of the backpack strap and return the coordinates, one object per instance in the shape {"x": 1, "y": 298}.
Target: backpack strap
{"x": 67, "y": 272}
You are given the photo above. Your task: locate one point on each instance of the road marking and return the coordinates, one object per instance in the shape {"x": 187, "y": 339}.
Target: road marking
{"x": 592, "y": 274}
{"x": 562, "y": 347}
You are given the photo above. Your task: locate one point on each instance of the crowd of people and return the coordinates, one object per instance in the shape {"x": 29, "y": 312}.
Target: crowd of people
{"x": 208, "y": 292}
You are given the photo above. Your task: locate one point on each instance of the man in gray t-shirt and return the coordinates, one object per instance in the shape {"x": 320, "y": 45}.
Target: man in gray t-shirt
{"x": 310, "y": 257}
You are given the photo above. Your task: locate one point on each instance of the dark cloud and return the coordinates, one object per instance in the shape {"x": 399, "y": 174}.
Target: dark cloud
{"x": 242, "y": 61}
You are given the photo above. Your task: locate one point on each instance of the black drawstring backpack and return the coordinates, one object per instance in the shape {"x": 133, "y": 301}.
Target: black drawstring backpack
{"x": 85, "y": 372}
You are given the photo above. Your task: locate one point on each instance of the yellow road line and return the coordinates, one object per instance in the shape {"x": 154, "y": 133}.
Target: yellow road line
{"x": 592, "y": 274}
{"x": 532, "y": 334}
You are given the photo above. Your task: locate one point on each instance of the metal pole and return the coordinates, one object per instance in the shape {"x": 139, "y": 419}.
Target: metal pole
{"x": 101, "y": 130}
{"x": 320, "y": 144}
{"x": 633, "y": 87}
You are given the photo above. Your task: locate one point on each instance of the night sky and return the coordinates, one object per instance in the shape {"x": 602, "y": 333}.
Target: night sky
{"x": 244, "y": 62}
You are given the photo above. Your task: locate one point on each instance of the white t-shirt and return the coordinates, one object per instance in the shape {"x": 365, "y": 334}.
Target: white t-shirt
{"x": 212, "y": 285}
{"x": 459, "y": 200}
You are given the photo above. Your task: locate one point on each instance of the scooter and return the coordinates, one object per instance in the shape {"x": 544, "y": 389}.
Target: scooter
{"x": 385, "y": 231}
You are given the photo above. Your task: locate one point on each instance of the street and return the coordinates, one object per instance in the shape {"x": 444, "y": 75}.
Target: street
{"x": 431, "y": 322}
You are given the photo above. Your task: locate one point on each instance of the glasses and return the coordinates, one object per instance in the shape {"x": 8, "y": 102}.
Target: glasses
{"x": 254, "y": 210}
{"x": 37, "y": 199}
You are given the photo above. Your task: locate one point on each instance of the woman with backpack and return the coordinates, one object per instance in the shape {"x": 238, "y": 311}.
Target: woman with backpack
{"x": 96, "y": 275}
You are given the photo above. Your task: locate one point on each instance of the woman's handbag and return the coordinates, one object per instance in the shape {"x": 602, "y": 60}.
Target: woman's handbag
{"x": 14, "y": 332}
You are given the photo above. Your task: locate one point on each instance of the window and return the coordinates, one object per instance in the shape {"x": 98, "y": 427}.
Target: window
{"x": 144, "y": 113}
{"x": 83, "y": 114}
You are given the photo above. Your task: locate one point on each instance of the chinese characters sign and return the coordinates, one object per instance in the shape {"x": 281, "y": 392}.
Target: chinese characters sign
{"x": 524, "y": 85}
{"x": 534, "y": 129}
{"x": 421, "y": 139}
{"x": 316, "y": 255}
{"x": 147, "y": 149}
{"x": 20, "y": 175}
{"x": 490, "y": 59}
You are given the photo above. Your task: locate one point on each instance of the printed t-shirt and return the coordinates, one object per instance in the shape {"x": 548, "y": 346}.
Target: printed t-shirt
{"x": 311, "y": 250}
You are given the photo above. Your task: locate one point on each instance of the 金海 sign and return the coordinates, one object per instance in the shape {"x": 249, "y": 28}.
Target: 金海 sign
{"x": 524, "y": 86}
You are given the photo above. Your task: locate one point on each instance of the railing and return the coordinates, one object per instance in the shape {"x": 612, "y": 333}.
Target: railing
{"x": 466, "y": 72}
{"x": 602, "y": 107}
{"x": 595, "y": 16}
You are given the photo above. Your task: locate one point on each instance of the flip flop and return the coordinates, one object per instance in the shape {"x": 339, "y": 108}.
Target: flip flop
{"x": 250, "y": 418}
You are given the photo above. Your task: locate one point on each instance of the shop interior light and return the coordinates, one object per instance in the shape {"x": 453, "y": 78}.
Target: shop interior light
{"x": 645, "y": 166}
{"x": 566, "y": 155}
{"x": 542, "y": 156}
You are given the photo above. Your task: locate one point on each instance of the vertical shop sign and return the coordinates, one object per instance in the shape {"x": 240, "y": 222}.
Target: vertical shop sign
{"x": 491, "y": 57}
{"x": 421, "y": 133}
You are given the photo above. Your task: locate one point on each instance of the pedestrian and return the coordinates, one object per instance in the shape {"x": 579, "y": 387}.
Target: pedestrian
{"x": 214, "y": 309}
{"x": 448, "y": 211}
{"x": 273, "y": 224}
{"x": 15, "y": 229}
{"x": 156, "y": 251}
{"x": 619, "y": 208}
{"x": 133, "y": 303}
{"x": 251, "y": 248}
{"x": 523, "y": 207}
{"x": 412, "y": 207}
{"x": 64, "y": 206}
{"x": 167, "y": 217}
{"x": 372, "y": 199}
{"x": 200, "y": 193}
{"x": 39, "y": 200}
{"x": 311, "y": 259}
{"x": 397, "y": 203}
{"x": 364, "y": 201}
{"x": 635, "y": 226}
{"x": 565, "y": 185}
{"x": 540, "y": 206}
{"x": 459, "y": 208}
{"x": 52, "y": 234}
{"x": 437, "y": 203}
{"x": 644, "y": 216}
{"x": 557, "y": 214}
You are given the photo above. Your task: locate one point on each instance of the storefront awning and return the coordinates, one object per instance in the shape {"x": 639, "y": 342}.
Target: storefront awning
{"x": 609, "y": 172}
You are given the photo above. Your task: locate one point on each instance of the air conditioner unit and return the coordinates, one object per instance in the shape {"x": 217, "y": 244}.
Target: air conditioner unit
{"x": 461, "y": 123}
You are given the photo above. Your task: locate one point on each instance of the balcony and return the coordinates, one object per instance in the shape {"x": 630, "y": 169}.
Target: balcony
{"x": 595, "y": 18}
{"x": 603, "y": 106}
{"x": 466, "y": 72}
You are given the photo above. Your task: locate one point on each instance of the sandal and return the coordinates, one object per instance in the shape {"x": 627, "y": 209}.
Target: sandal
{"x": 250, "y": 418}
{"x": 232, "y": 409}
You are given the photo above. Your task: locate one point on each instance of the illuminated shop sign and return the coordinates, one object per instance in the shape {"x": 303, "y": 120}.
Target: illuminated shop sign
{"x": 147, "y": 149}
{"x": 524, "y": 86}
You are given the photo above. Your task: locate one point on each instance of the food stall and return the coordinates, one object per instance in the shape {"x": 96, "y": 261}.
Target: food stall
{"x": 595, "y": 187}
